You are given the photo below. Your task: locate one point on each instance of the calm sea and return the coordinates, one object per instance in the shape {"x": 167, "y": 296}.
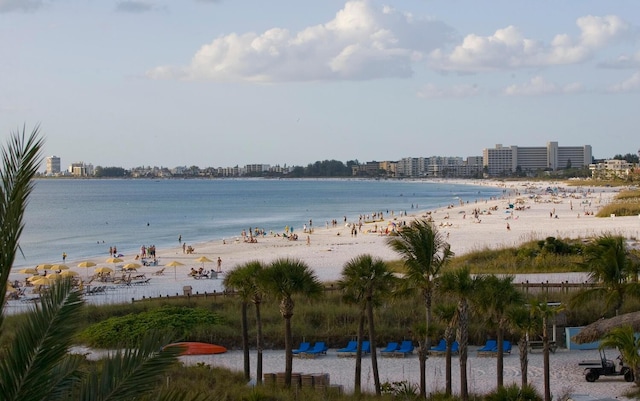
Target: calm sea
{"x": 85, "y": 217}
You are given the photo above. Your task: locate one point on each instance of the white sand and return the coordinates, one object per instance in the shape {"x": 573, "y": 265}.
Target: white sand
{"x": 331, "y": 248}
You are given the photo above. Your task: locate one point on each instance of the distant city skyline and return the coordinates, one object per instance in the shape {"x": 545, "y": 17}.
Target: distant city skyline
{"x": 225, "y": 83}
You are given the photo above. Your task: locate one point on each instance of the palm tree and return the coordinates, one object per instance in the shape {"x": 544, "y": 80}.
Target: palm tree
{"x": 366, "y": 281}
{"x": 545, "y": 311}
{"x": 447, "y": 313}
{"x": 462, "y": 286}
{"x": 495, "y": 296}
{"x": 245, "y": 280}
{"x": 523, "y": 322}
{"x": 38, "y": 366}
{"x": 285, "y": 278}
{"x": 613, "y": 265}
{"x": 424, "y": 252}
{"x": 624, "y": 339}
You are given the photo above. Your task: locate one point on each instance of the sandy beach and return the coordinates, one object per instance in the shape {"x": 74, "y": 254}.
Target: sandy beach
{"x": 525, "y": 212}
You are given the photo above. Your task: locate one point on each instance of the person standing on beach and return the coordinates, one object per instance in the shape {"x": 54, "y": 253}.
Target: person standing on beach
{"x": 64, "y": 256}
{"x": 219, "y": 264}
{"x": 180, "y": 239}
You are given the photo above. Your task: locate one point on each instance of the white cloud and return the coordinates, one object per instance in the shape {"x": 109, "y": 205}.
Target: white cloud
{"x": 538, "y": 86}
{"x": 632, "y": 84}
{"x": 431, "y": 91}
{"x": 623, "y": 62}
{"x": 134, "y": 6}
{"x": 507, "y": 48}
{"x": 7, "y": 6}
{"x": 362, "y": 42}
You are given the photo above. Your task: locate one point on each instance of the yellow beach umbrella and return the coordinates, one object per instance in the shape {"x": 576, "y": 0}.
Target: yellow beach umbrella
{"x": 28, "y": 270}
{"x": 34, "y": 278}
{"x": 103, "y": 270}
{"x": 53, "y": 276}
{"x": 59, "y": 267}
{"x": 174, "y": 264}
{"x": 86, "y": 264}
{"x": 203, "y": 259}
{"x": 130, "y": 266}
{"x": 42, "y": 281}
{"x": 43, "y": 266}
{"x": 69, "y": 273}
{"x": 114, "y": 260}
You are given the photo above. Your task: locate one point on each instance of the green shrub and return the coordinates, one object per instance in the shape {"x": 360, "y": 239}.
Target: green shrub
{"x": 514, "y": 393}
{"x": 127, "y": 330}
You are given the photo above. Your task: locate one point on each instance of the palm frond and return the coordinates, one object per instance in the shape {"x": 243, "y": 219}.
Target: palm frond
{"x": 20, "y": 160}
{"x": 33, "y": 368}
{"x": 130, "y": 373}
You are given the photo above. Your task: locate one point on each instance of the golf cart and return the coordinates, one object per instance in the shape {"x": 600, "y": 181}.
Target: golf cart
{"x": 593, "y": 369}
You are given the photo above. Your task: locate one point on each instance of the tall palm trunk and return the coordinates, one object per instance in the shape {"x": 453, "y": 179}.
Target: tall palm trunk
{"x": 245, "y": 342}
{"x": 374, "y": 355}
{"x": 286, "y": 309}
{"x": 426, "y": 344}
{"x": 546, "y": 362}
{"x": 463, "y": 343}
{"x": 259, "y": 342}
{"x": 449, "y": 335}
{"x": 358, "y": 374}
{"x": 500, "y": 357}
{"x": 523, "y": 347}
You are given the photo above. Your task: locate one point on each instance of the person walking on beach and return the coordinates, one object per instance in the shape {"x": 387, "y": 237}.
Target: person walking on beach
{"x": 64, "y": 256}
{"x": 219, "y": 264}
{"x": 180, "y": 239}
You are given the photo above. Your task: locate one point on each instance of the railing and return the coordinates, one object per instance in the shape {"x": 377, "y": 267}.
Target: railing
{"x": 526, "y": 287}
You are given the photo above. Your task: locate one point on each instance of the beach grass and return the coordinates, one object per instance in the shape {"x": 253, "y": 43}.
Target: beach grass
{"x": 626, "y": 203}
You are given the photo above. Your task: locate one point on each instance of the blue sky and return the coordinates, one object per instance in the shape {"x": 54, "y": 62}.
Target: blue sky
{"x": 232, "y": 82}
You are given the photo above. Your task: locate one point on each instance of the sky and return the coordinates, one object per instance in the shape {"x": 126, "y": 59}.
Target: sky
{"x": 220, "y": 83}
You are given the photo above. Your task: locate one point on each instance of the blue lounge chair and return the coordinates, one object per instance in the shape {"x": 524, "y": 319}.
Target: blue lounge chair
{"x": 390, "y": 349}
{"x": 506, "y": 347}
{"x": 441, "y": 347}
{"x": 406, "y": 348}
{"x": 303, "y": 347}
{"x": 351, "y": 347}
{"x": 489, "y": 346}
{"x": 366, "y": 347}
{"x": 318, "y": 348}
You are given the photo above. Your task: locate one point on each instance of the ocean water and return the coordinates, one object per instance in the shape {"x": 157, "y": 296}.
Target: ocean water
{"x": 85, "y": 217}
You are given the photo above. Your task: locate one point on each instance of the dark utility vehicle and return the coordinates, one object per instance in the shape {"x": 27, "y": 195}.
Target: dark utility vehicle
{"x": 593, "y": 369}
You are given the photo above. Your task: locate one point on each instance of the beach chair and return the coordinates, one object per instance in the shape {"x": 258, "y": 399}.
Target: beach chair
{"x": 351, "y": 348}
{"x": 491, "y": 348}
{"x": 303, "y": 347}
{"x": 366, "y": 347}
{"x": 406, "y": 348}
{"x": 159, "y": 272}
{"x": 319, "y": 348}
{"x": 389, "y": 349}
{"x": 441, "y": 347}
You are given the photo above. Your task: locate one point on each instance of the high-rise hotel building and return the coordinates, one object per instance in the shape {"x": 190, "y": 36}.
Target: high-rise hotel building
{"x": 503, "y": 160}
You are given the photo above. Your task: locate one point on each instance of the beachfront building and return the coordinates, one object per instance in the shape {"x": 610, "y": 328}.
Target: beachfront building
{"x": 53, "y": 165}
{"x": 412, "y": 167}
{"x": 81, "y": 169}
{"x": 255, "y": 169}
{"x": 507, "y": 160}
{"x": 611, "y": 169}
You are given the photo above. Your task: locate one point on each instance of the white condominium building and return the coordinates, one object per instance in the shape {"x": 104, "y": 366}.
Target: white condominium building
{"x": 507, "y": 160}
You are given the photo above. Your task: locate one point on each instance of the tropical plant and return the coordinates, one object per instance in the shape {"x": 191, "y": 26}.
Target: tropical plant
{"x": 494, "y": 298}
{"x": 611, "y": 264}
{"x": 285, "y": 278}
{"x": 459, "y": 284}
{"x": 424, "y": 252}
{"x": 38, "y": 365}
{"x": 624, "y": 339}
{"x": 366, "y": 281}
{"x": 446, "y": 313}
{"x": 245, "y": 280}
{"x": 544, "y": 311}
{"x": 523, "y": 321}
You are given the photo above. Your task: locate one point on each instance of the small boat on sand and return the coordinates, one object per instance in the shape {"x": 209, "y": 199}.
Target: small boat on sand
{"x": 197, "y": 348}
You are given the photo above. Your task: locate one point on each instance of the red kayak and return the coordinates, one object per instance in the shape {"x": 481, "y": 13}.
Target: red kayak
{"x": 196, "y": 348}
